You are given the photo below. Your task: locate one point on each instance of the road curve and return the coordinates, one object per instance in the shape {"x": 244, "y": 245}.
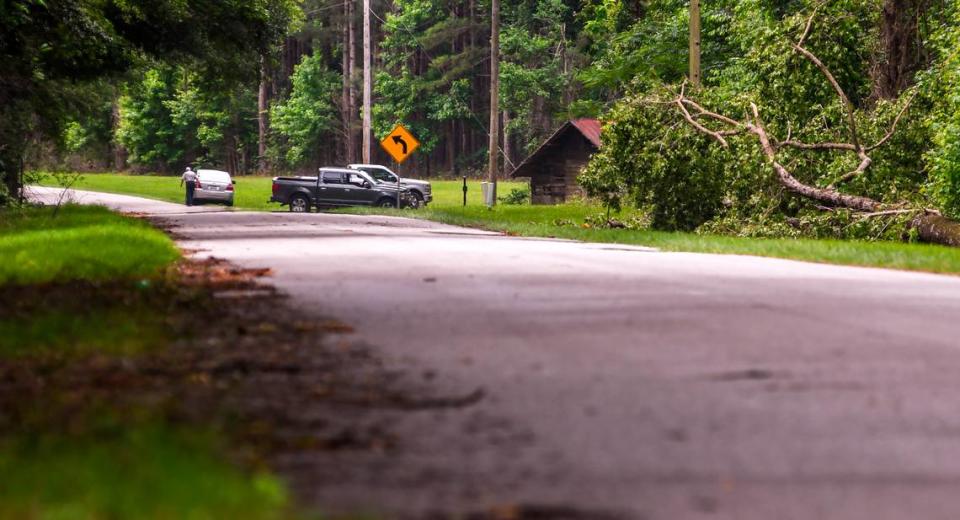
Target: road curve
{"x": 622, "y": 380}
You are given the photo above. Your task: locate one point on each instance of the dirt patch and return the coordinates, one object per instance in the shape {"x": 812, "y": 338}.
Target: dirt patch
{"x": 235, "y": 357}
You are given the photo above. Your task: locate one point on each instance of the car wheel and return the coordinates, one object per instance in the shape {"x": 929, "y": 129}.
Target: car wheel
{"x": 300, "y": 204}
{"x": 387, "y": 203}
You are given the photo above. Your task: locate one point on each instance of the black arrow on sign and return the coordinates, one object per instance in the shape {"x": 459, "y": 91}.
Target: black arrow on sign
{"x": 399, "y": 140}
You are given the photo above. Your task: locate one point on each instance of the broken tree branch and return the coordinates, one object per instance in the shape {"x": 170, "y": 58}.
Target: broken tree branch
{"x": 893, "y": 127}
{"x": 929, "y": 224}
{"x": 818, "y": 146}
{"x": 847, "y": 105}
{"x": 826, "y": 196}
{"x": 686, "y": 115}
{"x": 806, "y": 30}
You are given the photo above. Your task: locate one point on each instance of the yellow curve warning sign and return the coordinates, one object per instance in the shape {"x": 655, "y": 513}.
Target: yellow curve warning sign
{"x": 399, "y": 143}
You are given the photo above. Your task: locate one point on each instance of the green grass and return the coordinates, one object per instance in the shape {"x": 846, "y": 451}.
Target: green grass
{"x": 114, "y": 330}
{"x": 251, "y": 193}
{"x": 149, "y": 471}
{"x": 566, "y": 221}
{"x": 542, "y": 221}
{"x": 79, "y": 243}
{"x": 86, "y": 281}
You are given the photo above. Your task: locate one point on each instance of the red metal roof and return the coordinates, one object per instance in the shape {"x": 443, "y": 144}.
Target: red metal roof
{"x": 590, "y": 128}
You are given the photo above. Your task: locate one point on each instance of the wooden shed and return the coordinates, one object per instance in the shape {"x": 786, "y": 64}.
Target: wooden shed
{"x": 553, "y": 168}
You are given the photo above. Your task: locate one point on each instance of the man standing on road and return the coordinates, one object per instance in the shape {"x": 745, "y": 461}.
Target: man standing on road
{"x": 189, "y": 177}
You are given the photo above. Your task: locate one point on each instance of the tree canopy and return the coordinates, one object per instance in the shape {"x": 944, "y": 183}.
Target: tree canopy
{"x": 256, "y": 84}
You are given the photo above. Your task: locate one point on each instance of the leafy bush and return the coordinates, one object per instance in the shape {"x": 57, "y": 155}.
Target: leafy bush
{"x": 652, "y": 158}
{"x": 516, "y": 196}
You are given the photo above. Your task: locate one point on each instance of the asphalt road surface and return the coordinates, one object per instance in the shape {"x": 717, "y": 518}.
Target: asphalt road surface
{"x": 620, "y": 380}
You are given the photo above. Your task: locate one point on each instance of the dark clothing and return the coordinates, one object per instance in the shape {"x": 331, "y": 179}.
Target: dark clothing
{"x": 191, "y": 185}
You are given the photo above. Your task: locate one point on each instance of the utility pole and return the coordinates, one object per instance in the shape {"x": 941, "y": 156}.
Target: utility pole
{"x": 367, "y": 81}
{"x": 494, "y": 96}
{"x": 695, "y": 43}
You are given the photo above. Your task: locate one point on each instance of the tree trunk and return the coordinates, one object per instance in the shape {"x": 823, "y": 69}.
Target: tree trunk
{"x": 352, "y": 67}
{"x": 937, "y": 230}
{"x": 451, "y": 145}
{"x": 507, "y": 149}
{"x": 346, "y": 104}
{"x": 11, "y": 176}
{"x": 367, "y": 83}
{"x": 262, "y": 117}
{"x": 119, "y": 152}
{"x": 902, "y": 51}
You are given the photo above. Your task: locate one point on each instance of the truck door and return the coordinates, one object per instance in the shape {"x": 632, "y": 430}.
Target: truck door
{"x": 331, "y": 189}
{"x": 358, "y": 193}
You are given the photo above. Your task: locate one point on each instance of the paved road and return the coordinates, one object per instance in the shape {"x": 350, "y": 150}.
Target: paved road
{"x": 624, "y": 380}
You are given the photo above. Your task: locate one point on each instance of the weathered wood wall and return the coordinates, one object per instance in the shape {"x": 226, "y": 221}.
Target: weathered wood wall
{"x": 555, "y": 180}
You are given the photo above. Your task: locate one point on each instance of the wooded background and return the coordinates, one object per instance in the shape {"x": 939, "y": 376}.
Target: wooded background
{"x": 273, "y": 86}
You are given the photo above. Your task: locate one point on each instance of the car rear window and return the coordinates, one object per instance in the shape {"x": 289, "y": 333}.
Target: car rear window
{"x": 213, "y": 176}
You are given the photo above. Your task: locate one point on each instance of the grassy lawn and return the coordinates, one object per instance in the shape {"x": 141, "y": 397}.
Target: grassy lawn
{"x": 250, "y": 192}
{"x": 566, "y": 221}
{"x": 83, "y": 285}
{"x": 79, "y": 243}
{"x": 149, "y": 471}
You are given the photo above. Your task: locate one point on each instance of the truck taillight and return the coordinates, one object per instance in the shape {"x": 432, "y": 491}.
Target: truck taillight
{"x": 276, "y": 187}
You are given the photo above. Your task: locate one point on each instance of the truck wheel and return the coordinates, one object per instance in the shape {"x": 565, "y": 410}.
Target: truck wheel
{"x": 299, "y": 203}
{"x": 387, "y": 203}
{"x": 417, "y": 201}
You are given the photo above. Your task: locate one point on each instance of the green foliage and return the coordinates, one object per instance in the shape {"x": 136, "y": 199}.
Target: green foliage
{"x": 79, "y": 243}
{"x": 172, "y": 117}
{"x": 516, "y": 196}
{"x": 117, "y": 470}
{"x": 655, "y": 159}
{"x": 941, "y": 90}
{"x": 535, "y": 70}
{"x": 50, "y": 48}
{"x": 147, "y": 126}
{"x": 637, "y": 45}
{"x": 305, "y": 121}
{"x": 651, "y": 157}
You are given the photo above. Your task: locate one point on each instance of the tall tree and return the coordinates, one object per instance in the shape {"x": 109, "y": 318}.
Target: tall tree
{"x": 46, "y": 46}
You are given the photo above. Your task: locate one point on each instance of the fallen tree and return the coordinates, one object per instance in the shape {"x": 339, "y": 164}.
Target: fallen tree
{"x": 929, "y": 224}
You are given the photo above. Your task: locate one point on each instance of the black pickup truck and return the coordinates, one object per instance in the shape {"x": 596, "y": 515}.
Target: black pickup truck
{"x": 337, "y": 187}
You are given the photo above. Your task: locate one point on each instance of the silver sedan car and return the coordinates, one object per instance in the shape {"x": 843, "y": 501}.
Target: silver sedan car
{"x": 215, "y": 186}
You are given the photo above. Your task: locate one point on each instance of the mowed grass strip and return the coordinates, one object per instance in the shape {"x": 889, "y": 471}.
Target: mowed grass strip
{"x": 567, "y": 220}
{"x": 250, "y": 193}
{"x": 85, "y": 282}
{"x": 151, "y": 471}
{"x": 78, "y": 243}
